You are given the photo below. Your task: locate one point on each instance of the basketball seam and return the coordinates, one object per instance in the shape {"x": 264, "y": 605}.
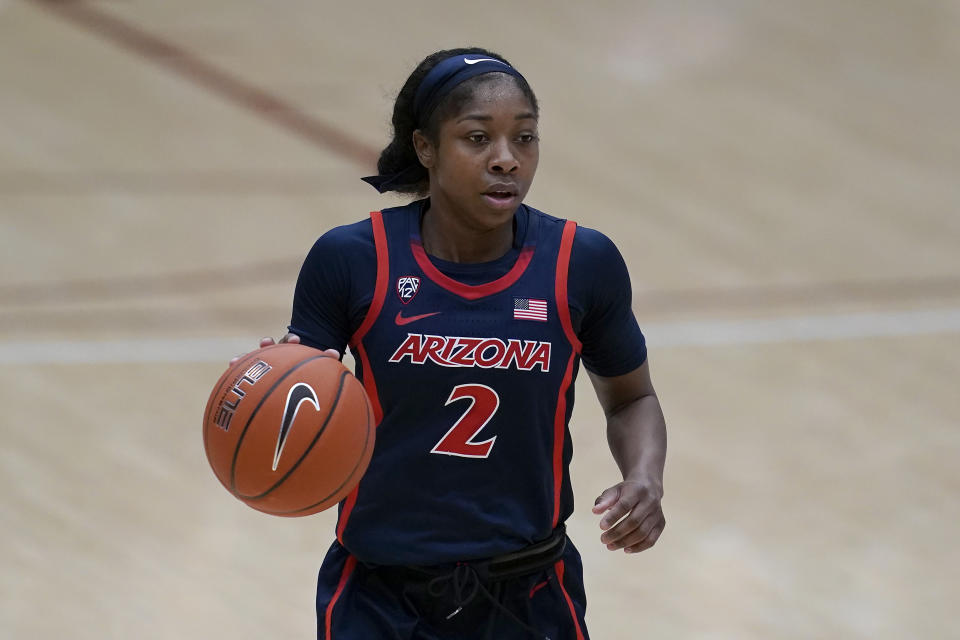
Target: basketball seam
{"x": 243, "y": 434}
{"x": 316, "y": 438}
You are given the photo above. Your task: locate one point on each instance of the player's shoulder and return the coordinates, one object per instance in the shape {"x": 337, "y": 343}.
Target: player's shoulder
{"x": 360, "y": 232}
{"x": 347, "y": 242}
{"x": 587, "y": 242}
{"x": 545, "y": 220}
{"x": 592, "y": 243}
{"x": 343, "y": 249}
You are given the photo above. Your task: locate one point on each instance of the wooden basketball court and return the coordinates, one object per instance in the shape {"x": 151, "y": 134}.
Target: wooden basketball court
{"x": 781, "y": 177}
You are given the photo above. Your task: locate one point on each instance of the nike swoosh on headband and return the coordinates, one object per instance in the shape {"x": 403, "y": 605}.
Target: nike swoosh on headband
{"x": 476, "y": 60}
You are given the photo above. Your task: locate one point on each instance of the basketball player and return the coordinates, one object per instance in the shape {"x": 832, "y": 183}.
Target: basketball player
{"x": 469, "y": 312}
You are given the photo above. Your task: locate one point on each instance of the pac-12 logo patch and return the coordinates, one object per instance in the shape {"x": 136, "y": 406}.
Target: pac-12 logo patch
{"x": 407, "y": 287}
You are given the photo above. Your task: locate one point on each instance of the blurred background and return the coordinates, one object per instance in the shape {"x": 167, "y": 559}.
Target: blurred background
{"x": 782, "y": 178}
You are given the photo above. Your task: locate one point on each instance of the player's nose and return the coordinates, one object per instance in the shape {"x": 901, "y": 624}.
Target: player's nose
{"x": 502, "y": 157}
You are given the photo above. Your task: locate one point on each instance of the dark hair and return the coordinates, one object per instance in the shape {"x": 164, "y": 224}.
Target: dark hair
{"x": 400, "y": 153}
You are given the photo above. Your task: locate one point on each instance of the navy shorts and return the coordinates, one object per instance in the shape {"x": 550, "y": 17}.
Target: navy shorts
{"x": 360, "y": 602}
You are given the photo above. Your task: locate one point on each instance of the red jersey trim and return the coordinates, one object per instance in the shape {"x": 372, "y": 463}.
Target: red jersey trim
{"x": 348, "y": 567}
{"x": 383, "y": 277}
{"x": 376, "y": 305}
{"x": 356, "y": 344}
{"x": 559, "y": 430}
{"x": 563, "y": 266}
{"x": 563, "y": 312}
{"x": 559, "y": 569}
{"x": 472, "y": 292}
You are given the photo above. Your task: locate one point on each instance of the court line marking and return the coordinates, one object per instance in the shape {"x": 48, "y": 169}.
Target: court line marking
{"x": 192, "y": 68}
{"x": 783, "y": 297}
{"x": 166, "y": 183}
{"x": 802, "y": 328}
{"x": 785, "y": 329}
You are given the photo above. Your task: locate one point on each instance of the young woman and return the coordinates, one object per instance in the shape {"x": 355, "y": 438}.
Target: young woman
{"x": 468, "y": 312}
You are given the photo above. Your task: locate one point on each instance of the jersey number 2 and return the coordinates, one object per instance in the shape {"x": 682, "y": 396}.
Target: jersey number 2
{"x": 458, "y": 441}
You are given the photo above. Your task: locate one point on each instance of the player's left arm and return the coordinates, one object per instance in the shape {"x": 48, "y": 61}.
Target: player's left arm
{"x": 636, "y": 431}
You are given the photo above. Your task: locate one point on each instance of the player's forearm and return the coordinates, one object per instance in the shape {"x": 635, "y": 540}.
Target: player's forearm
{"x": 637, "y": 434}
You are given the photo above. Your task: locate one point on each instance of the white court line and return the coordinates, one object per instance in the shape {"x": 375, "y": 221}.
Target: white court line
{"x": 156, "y": 350}
{"x": 659, "y": 335}
{"x": 803, "y": 328}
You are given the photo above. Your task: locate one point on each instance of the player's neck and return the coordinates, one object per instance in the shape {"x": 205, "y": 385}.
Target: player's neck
{"x": 447, "y": 237}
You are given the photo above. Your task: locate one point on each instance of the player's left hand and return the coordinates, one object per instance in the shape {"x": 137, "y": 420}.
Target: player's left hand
{"x": 632, "y": 515}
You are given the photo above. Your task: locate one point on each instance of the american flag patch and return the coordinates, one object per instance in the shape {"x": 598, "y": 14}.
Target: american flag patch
{"x": 529, "y": 309}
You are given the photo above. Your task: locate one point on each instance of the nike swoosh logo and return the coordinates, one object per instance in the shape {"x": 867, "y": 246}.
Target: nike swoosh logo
{"x": 298, "y": 394}
{"x": 476, "y": 60}
{"x": 400, "y": 320}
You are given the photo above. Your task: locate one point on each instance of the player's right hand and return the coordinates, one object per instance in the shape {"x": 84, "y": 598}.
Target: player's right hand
{"x": 292, "y": 338}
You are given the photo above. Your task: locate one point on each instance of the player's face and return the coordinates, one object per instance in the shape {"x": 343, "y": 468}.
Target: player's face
{"x": 486, "y": 156}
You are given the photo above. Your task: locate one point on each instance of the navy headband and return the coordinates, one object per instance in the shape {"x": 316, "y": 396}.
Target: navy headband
{"x": 434, "y": 87}
{"x": 447, "y": 75}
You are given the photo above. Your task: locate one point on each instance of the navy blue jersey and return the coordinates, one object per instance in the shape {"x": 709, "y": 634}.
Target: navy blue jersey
{"x": 470, "y": 369}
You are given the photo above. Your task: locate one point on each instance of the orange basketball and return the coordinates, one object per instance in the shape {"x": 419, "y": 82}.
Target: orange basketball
{"x": 288, "y": 430}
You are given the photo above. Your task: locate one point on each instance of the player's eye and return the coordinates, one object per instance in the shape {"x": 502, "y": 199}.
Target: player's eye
{"x": 527, "y": 138}
{"x": 477, "y": 138}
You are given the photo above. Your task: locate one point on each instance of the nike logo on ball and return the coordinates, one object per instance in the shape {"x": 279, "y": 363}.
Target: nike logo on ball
{"x": 476, "y": 60}
{"x": 298, "y": 394}
{"x": 400, "y": 320}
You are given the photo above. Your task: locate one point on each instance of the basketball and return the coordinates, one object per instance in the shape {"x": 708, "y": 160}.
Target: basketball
{"x": 288, "y": 430}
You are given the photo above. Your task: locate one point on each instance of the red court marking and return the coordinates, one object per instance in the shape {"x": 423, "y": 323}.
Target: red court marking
{"x": 272, "y": 108}
{"x": 228, "y": 86}
{"x": 167, "y": 182}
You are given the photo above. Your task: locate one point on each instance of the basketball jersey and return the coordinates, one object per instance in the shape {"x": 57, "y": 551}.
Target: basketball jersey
{"x": 472, "y": 387}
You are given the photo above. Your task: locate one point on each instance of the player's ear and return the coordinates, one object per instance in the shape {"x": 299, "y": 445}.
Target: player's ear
{"x": 424, "y": 148}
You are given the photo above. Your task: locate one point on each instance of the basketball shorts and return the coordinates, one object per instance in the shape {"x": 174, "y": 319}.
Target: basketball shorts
{"x": 357, "y": 601}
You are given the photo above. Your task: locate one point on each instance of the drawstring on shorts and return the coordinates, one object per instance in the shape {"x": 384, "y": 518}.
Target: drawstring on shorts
{"x": 465, "y": 584}
{"x": 464, "y": 581}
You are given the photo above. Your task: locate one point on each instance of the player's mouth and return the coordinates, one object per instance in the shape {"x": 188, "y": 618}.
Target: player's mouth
{"x": 502, "y": 196}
